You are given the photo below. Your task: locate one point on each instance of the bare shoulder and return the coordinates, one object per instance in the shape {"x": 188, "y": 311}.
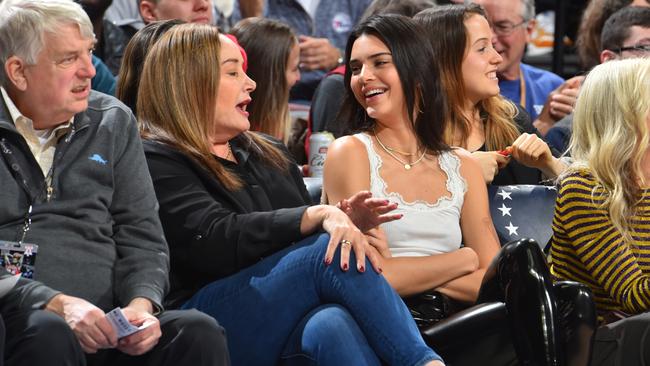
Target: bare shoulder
{"x": 346, "y": 146}
{"x": 347, "y": 150}
{"x": 347, "y": 169}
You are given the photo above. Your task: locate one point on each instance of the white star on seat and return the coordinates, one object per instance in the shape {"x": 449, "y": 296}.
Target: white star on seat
{"x": 505, "y": 195}
{"x": 512, "y": 229}
{"x": 504, "y": 210}
{"x": 550, "y": 188}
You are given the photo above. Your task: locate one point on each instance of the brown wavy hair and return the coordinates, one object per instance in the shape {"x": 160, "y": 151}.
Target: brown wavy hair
{"x": 445, "y": 27}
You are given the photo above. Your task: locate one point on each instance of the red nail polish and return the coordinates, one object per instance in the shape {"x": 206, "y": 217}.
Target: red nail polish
{"x": 345, "y": 267}
{"x": 381, "y": 270}
{"x": 362, "y": 268}
{"x": 328, "y": 261}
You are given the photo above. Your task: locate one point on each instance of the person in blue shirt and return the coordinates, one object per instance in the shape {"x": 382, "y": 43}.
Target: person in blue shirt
{"x": 104, "y": 81}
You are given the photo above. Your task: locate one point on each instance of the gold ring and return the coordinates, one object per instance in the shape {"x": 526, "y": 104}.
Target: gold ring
{"x": 345, "y": 243}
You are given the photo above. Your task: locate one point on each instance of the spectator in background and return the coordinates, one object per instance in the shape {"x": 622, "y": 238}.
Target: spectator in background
{"x": 600, "y": 228}
{"x": 545, "y": 96}
{"x": 104, "y": 81}
{"x": 626, "y": 34}
{"x": 323, "y": 27}
{"x": 117, "y": 36}
{"x": 593, "y": 20}
{"x": 273, "y": 58}
{"x": 478, "y": 118}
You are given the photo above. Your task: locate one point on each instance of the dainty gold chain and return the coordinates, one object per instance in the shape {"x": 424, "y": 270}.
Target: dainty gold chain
{"x": 407, "y": 165}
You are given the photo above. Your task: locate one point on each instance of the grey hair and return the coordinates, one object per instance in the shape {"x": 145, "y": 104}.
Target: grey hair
{"x": 528, "y": 9}
{"x": 23, "y": 24}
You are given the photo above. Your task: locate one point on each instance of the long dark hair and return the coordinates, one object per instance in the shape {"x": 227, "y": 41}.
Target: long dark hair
{"x": 419, "y": 78}
{"x": 128, "y": 80}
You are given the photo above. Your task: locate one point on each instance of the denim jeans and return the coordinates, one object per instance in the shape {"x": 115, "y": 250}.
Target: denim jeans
{"x": 262, "y": 305}
{"x": 328, "y": 335}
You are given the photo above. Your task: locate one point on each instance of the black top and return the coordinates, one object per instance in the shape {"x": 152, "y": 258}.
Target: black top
{"x": 213, "y": 232}
{"x": 514, "y": 172}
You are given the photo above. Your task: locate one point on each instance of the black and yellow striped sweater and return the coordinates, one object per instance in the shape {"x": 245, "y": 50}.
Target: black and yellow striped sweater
{"x": 587, "y": 248}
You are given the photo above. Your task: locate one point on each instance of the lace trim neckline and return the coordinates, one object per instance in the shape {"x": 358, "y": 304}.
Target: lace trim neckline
{"x": 448, "y": 163}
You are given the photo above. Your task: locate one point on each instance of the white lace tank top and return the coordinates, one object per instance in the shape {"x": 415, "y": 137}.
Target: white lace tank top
{"x": 426, "y": 228}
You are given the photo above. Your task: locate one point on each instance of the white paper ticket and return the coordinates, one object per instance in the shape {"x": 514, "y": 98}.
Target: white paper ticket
{"x": 121, "y": 324}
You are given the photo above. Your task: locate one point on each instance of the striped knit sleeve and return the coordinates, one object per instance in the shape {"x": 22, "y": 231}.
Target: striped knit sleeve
{"x": 604, "y": 260}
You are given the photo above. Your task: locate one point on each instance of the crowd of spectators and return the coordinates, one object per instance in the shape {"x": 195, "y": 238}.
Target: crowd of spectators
{"x": 153, "y": 212}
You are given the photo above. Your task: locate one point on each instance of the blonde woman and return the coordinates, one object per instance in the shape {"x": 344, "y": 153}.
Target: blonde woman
{"x": 602, "y": 215}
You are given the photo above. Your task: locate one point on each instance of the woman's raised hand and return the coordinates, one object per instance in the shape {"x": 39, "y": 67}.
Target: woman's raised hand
{"x": 532, "y": 151}
{"x": 367, "y": 212}
{"x": 490, "y": 163}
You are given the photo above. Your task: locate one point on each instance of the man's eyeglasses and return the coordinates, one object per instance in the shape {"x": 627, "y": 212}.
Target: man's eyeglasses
{"x": 639, "y": 48}
{"x": 505, "y": 28}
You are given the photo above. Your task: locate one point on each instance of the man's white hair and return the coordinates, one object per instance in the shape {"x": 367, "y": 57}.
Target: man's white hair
{"x": 23, "y": 24}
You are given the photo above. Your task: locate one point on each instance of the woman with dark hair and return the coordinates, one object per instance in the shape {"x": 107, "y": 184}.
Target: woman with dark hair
{"x": 395, "y": 101}
{"x": 401, "y": 116}
{"x": 273, "y": 57}
{"x": 136, "y": 50}
{"x": 237, "y": 219}
{"x": 478, "y": 118}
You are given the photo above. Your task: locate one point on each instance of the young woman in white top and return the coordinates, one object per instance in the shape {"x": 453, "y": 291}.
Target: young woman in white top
{"x": 395, "y": 102}
{"x": 401, "y": 155}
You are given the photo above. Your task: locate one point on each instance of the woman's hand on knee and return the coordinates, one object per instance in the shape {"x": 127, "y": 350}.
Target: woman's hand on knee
{"x": 345, "y": 234}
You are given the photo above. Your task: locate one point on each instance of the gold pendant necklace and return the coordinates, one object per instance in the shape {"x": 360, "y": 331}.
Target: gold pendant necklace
{"x": 406, "y": 164}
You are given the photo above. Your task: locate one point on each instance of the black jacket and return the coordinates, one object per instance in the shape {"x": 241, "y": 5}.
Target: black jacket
{"x": 213, "y": 232}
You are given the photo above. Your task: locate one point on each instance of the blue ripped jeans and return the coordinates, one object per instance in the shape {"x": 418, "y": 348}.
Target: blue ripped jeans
{"x": 266, "y": 308}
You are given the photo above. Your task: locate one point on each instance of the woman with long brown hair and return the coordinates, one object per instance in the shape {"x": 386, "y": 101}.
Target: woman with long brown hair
{"x": 238, "y": 221}
{"x": 273, "y": 57}
{"x": 478, "y": 118}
